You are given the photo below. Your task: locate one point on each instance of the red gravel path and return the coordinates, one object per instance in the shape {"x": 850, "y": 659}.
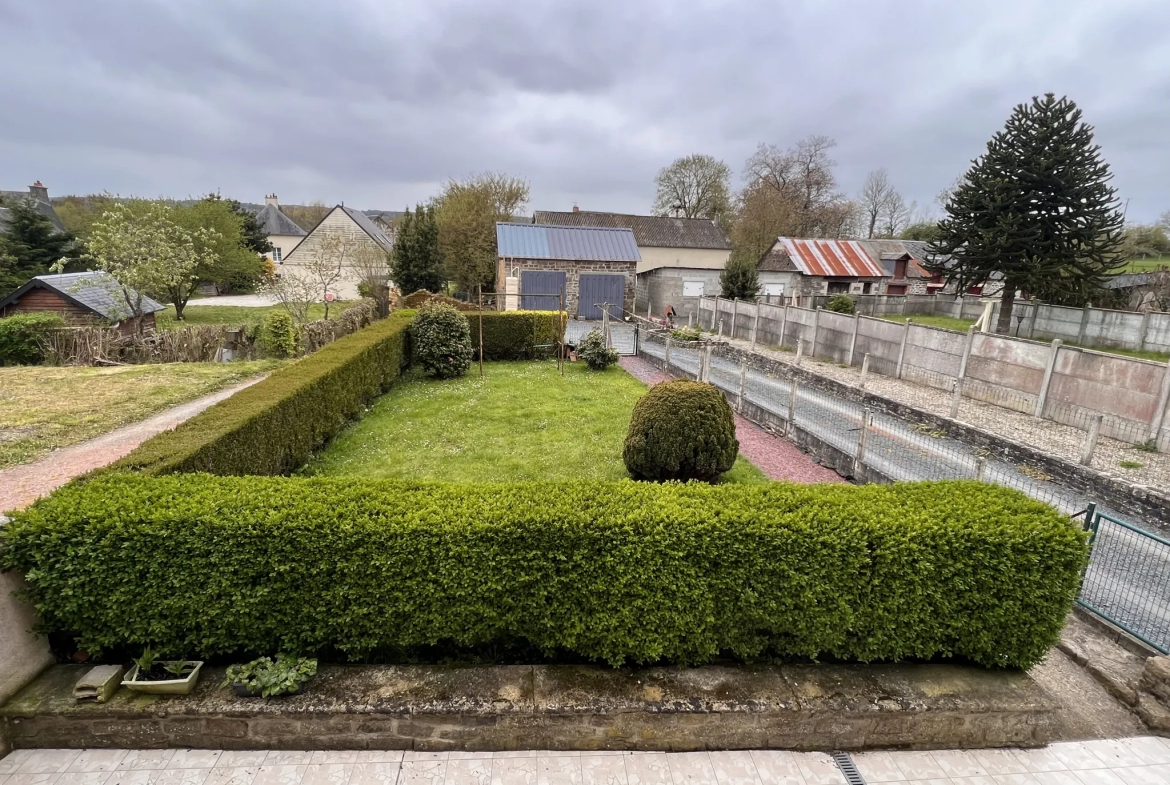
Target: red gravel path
{"x": 777, "y": 458}
{"x": 20, "y": 486}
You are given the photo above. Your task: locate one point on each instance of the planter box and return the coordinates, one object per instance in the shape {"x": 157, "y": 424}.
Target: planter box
{"x": 181, "y": 686}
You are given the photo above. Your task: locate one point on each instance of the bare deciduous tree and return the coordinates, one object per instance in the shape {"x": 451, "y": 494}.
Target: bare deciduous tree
{"x": 697, "y": 186}
{"x": 372, "y": 266}
{"x": 801, "y": 179}
{"x": 875, "y": 197}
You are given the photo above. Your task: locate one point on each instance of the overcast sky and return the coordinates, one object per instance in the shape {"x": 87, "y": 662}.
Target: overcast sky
{"x": 377, "y": 103}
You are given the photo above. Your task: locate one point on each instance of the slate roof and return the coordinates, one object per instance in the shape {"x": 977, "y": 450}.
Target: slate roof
{"x": 650, "y": 231}
{"x": 43, "y": 207}
{"x": 370, "y": 228}
{"x": 567, "y": 243}
{"x": 273, "y": 221}
{"x": 94, "y": 291}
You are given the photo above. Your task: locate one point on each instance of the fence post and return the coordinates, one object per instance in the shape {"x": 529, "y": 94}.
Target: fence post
{"x": 1163, "y": 400}
{"x": 980, "y": 468}
{"x": 1042, "y": 397}
{"x": 799, "y": 350}
{"x": 605, "y": 324}
{"x": 705, "y": 365}
{"x": 649, "y": 310}
{"x": 734, "y": 316}
{"x": 783, "y": 323}
{"x": 1091, "y": 440}
{"x": 812, "y": 350}
{"x": 956, "y": 398}
{"x": 792, "y": 406}
{"x": 720, "y": 328}
{"x": 853, "y": 340}
{"x": 1032, "y": 324}
{"x": 755, "y": 326}
{"x": 902, "y": 350}
{"x": 1145, "y": 330}
{"x": 864, "y": 371}
{"x": 715, "y": 313}
{"x": 865, "y": 420}
{"x": 1086, "y": 312}
{"x": 666, "y": 359}
{"x": 742, "y": 385}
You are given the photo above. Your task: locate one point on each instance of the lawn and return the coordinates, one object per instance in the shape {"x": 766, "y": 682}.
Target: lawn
{"x": 235, "y": 315}
{"x": 1146, "y": 265}
{"x": 45, "y": 407}
{"x": 522, "y": 421}
{"x": 947, "y": 322}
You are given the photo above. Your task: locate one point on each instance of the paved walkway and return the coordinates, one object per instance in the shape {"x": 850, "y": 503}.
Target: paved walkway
{"x": 238, "y": 300}
{"x": 20, "y": 486}
{"x": 1137, "y": 761}
{"x": 777, "y": 458}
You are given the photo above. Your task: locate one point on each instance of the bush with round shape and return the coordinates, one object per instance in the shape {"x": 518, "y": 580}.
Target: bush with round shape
{"x": 841, "y": 303}
{"x": 681, "y": 430}
{"x": 441, "y": 340}
{"x": 595, "y": 353}
{"x": 21, "y": 337}
{"x": 278, "y": 335}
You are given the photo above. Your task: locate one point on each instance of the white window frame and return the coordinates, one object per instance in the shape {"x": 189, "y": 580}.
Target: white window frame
{"x": 773, "y": 290}
{"x": 276, "y": 256}
{"x": 688, "y": 288}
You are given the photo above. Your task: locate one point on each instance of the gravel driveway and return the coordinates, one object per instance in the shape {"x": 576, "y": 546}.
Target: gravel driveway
{"x": 237, "y": 300}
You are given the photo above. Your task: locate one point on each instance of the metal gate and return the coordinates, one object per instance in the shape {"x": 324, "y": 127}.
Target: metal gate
{"x": 598, "y": 288}
{"x": 541, "y": 290}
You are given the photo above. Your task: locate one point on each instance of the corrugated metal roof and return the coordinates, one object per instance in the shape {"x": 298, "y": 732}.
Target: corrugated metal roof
{"x": 831, "y": 258}
{"x": 651, "y": 231}
{"x": 569, "y": 243}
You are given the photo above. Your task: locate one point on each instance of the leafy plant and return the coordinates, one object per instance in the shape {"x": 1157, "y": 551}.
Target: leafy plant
{"x": 177, "y": 668}
{"x": 681, "y": 430}
{"x": 1149, "y": 445}
{"x": 21, "y": 337}
{"x": 841, "y": 303}
{"x": 686, "y": 334}
{"x": 441, "y": 341}
{"x": 595, "y": 353}
{"x": 268, "y": 678}
{"x": 278, "y": 335}
{"x": 146, "y": 661}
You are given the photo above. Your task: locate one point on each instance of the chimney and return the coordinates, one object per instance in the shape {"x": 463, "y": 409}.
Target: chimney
{"x": 38, "y": 191}
{"x": 576, "y": 209}
{"x": 271, "y": 199}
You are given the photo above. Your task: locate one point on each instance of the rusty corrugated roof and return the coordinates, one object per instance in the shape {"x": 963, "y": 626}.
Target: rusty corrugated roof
{"x": 831, "y": 258}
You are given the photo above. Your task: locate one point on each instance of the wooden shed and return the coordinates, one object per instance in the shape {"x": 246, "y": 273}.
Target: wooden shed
{"x": 82, "y": 299}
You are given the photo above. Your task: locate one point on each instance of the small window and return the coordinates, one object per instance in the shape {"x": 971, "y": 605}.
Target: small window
{"x": 692, "y": 288}
{"x": 900, "y": 270}
{"x": 867, "y": 288}
{"x": 275, "y": 254}
{"x": 838, "y": 287}
{"x": 896, "y": 290}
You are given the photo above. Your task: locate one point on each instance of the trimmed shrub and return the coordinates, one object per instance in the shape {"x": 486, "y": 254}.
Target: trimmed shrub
{"x": 441, "y": 340}
{"x": 841, "y": 303}
{"x": 274, "y": 426}
{"x": 203, "y": 566}
{"x": 595, "y": 353}
{"x": 681, "y": 430}
{"x": 515, "y": 335}
{"x": 278, "y": 335}
{"x": 21, "y": 337}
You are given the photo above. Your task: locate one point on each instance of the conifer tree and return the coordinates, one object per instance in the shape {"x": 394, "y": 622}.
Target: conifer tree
{"x": 1037, "y": 209}
{"x": 416, "y": 260}
{"x": 739, "y": 279}
{"x": 30, "y": 245}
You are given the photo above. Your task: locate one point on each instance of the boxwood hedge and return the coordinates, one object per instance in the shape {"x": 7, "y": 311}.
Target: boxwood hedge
{"x": 197, "y": 565}
{"x": 515, "y": 335}
{"x": 273, "y": 427}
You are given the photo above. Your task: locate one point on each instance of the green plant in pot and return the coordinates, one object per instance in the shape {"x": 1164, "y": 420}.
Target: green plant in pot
{"x": 267, "y": 678}
{"x": 162, "y": 677}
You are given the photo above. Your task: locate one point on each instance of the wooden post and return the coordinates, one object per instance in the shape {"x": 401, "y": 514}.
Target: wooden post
{"x": 1042, "y": 396}
{"x": 799, "y": 350}
{"x": 605, "y": 323}
{"x": 853, "y": 340}
{"x": 480, "y": 330}
{"x": 792, "y": 406}
{"x": 1091, "y": 441}
{"x": 1159, "y": 416}
{"x": 742, "y": 385}
{"x": 666, "y": 358}
{"x": 783, "y": 323}
{"x": 865, "y": 421}
{"x": 564, "y": 317}
{"x": 734, "y": 316}
{"x": 902, "y": 350}
{"x": 812, "y": 350}
{"x": 864, "y": 371}
{"x": 756, "y": 326}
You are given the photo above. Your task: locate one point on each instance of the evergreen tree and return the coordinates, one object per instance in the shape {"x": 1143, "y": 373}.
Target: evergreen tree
{"x": 416, "y": 260}
{"x": 739, "y": 279}
{"x": 30, "y": 245}
{"x": 1037, "y": 209}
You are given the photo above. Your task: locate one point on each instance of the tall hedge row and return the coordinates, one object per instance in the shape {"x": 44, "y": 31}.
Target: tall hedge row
{"x": 515, "y": 335}
{"x": 273, "y": 427}
{"x": 621, "y": 572}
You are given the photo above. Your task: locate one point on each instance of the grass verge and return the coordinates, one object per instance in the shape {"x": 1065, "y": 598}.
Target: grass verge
{"x": 235, "y": 315}
{"x": 521, "y": 422}
{"x": 946, "y": 322}
{"x": 43, "y": 408}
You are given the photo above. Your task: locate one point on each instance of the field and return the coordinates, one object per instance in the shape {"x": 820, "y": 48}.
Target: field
{"x": 43, "y": 407}
{"x": 1146, "y": 265}
{"x": 235, "y": 315}
{"x": 521, "y": 422}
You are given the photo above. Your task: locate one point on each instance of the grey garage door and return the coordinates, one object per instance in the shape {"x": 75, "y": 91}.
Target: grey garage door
{"x": 540, "y": 290}
{"x": 597, "y": 288}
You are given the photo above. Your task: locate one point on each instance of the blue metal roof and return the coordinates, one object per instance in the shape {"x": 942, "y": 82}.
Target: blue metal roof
{"x": 570, "y": 243}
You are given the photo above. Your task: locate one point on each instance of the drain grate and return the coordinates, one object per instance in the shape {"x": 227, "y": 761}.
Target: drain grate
{"x": 845, "y": 763}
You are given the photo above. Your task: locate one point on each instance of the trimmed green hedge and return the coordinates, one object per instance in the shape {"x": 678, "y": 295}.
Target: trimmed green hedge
{"x": 197, "y": 565}
{"x": 514, "y": 335}
{"x": 273, "y": 426}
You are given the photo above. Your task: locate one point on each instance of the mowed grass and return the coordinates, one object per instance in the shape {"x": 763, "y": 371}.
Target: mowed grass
{"x": 44, "y": 407}
{"x": 946, "y": 322}
{"x": 522, "y": 421}
{"x": 235, "y": 315}
{"x": 1147, "y": 265}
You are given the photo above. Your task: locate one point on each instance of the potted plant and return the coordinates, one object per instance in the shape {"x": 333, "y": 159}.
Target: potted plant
{"x": 162, "y": 677}
{"x": 268, "y": 679}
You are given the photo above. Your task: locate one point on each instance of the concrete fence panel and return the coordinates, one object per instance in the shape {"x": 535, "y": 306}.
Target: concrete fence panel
{"x": 1120, "y": 329}
{"x": 1158, "y": 333}
{"x": 1105, "y": 383}
{"x": 935, "y": 352}
{"x": 1052, "y": 321}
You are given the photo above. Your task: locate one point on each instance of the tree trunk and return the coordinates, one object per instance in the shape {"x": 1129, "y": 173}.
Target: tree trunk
{"x": 1007, "y": 300}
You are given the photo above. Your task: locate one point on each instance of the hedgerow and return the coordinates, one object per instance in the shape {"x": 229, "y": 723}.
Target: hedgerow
{"x": 199, "y": 566}
{"x": 515, "y": 335}
{"x": 273, "y": 426}
{"x": 21, "y": 336}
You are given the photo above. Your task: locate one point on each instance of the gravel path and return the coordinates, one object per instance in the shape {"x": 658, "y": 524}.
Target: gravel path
{"x": 20, "y": 486}
{"x": 777, "y": 458}
{"x": 1063, "y": 441}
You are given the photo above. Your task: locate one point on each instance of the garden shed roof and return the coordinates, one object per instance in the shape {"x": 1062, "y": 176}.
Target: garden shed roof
{"x": 570, "y": 243}
{"x": 94, "y": 291}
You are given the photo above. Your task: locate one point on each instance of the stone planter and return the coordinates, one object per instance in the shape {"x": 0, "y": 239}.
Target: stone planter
{"x": 181, "y": 686}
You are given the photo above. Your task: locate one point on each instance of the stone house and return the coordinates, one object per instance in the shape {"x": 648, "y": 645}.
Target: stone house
{"x": 359, "y": 235}
{"x": 589, "y": 265}
{"x": 38, "y": 195}
{"x": 82, "y": 299}
{"x": 795, "y": 267}
{"x": 282, "y": 231}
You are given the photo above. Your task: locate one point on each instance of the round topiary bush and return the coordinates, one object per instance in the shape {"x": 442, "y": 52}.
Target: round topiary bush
{"x": 595, "y": 353}
{"x": 681, "y": 430}
{"x": 441, "y": 339}
{"x": 841, "y": 303}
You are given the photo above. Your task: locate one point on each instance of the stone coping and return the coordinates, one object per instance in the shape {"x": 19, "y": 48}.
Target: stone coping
{"x": 802, "y": 707}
